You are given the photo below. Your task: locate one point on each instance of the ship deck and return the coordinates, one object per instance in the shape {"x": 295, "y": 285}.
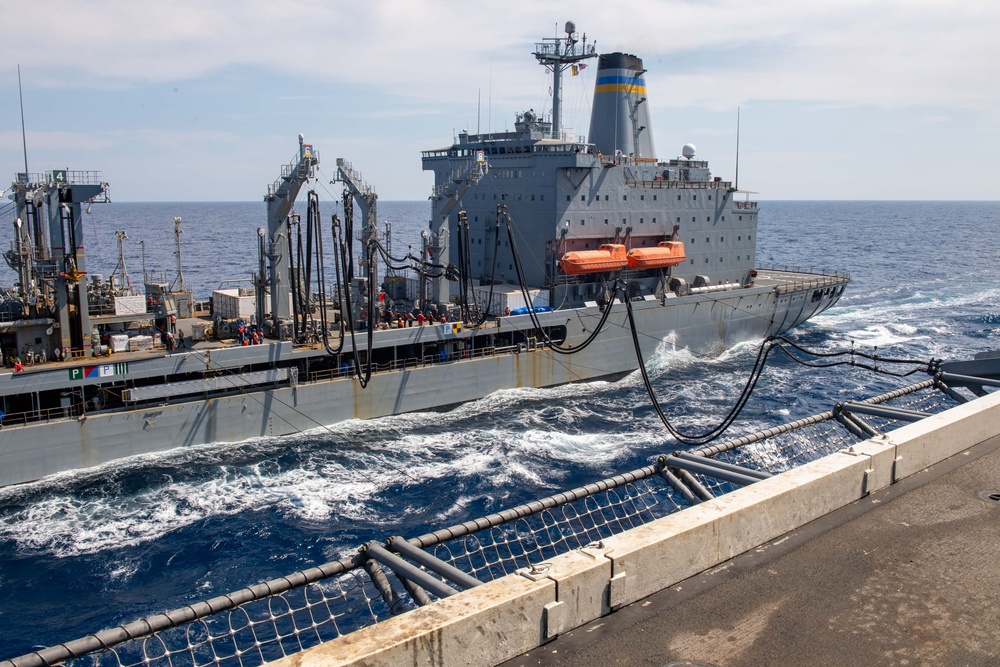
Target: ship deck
{"x": 782, "y": 279}
{"x": 905, "y": 576}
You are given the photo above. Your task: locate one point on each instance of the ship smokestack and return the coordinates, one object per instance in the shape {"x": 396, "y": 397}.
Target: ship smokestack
{"x": 619, "y": 120}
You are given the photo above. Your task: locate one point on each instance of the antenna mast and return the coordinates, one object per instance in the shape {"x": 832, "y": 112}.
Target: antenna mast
{"x": 737, "y": 148}
{"x": 180, "y": 266}
{"x": 557, "y": 54}
{"x": 24, "y": 139}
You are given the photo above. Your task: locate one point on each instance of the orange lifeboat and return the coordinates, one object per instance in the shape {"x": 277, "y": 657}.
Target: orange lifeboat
{"x": 665, "y": 254}
{"x": 608, "y": 257}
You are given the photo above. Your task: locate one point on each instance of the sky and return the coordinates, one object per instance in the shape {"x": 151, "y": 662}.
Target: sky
{"x": 202, "y": 100}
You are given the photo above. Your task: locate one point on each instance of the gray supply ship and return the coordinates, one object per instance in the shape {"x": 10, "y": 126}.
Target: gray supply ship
{"x": 550, "y": 258}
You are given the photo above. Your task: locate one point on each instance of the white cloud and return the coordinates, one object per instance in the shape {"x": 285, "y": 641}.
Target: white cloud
{"x": 450, "y": 65}
{"x": 891, "y": 52}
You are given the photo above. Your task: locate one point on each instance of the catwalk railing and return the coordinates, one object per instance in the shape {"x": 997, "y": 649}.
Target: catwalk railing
{"x": 284, "y": 616}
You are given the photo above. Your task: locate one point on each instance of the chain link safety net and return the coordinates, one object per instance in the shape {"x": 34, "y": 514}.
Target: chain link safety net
{"x": 286, "y": 616}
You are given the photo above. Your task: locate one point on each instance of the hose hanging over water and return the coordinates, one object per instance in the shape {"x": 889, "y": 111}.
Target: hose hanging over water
{"x": 930, "y": 367}
{"x": 767, "y": 346}
{"x": 344, "y": 240}
{"x": 557, "y": 347}
{"x": 719, "y": 429}
{"x": 313, "y": 223}
{"x": 483, "y": 312}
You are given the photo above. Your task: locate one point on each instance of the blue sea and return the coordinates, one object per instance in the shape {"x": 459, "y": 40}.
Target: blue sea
{"x": 86, "y": 550}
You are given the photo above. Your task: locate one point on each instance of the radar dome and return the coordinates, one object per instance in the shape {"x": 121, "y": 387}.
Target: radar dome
{"x": 570, "y": 27}
{"x": 688, "y": 151}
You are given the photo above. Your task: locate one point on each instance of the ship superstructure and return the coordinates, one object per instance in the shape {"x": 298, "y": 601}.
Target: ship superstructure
{"x": 565, "y": 194}
{"x": 546, "y": 253}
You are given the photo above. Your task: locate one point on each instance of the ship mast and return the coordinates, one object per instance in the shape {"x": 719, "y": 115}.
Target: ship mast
{"x": 557, "y": 54}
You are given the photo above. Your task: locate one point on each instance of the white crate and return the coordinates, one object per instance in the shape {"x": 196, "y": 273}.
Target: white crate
{"x": 118, "y": 342}
{"x": 137, "y": 343}
{"x": 230, "y": 304}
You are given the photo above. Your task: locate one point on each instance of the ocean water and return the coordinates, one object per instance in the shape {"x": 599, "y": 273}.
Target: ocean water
{"x": 85, "y": 550}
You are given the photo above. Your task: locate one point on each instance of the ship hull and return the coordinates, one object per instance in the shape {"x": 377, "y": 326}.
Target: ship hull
{"x": 703, "y": 323}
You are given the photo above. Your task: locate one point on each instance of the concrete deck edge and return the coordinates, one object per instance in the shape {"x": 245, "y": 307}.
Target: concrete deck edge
{"x": 498, "y": 621}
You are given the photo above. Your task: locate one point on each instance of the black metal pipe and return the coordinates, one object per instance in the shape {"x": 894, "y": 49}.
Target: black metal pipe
{"x": 692, "y": 483}
{"x": 968, "y": 380}
{"x": 951, "y": 393}
{"x": 407, "y": 571}
{"x": 385, "y": 589}
{"x": 434, "y": 564}
{"x": 759, "y": 474}
{"x": 706, "y": 468}
{"x": 884, "y": 411}
{"x": 679, "y": 486}
{"x": 857, "y": 428}
{"x": 418, "y": 594}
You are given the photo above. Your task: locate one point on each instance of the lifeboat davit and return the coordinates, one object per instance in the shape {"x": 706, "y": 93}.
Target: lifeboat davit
{"x": 665, "y": 254}
{"x": 608, "y": 257}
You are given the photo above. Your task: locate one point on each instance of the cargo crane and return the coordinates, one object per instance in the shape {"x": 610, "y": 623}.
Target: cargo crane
{"x": 280, "y": 198}
{"x": 51, "y": 267}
